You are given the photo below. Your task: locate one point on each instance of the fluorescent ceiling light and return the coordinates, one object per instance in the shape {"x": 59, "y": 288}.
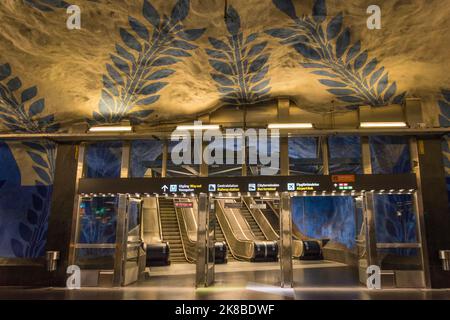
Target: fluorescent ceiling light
{"x": 383, "y": 125}
{"x": 290, "y": 126}
{"x": 111, "y": 129}
{"x": 199, "y": 127}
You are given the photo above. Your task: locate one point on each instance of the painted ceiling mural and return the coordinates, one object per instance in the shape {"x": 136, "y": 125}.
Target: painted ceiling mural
{"x": 153, "y": 60}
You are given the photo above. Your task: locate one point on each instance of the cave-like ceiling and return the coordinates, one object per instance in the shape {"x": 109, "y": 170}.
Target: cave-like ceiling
{"x": 153, "y": 60}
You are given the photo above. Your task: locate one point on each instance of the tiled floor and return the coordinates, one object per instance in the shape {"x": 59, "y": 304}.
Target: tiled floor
{"x": 313, "y": 280}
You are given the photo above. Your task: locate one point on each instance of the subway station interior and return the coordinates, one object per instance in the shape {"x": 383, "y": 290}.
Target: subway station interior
{"x": 224, "y": 149}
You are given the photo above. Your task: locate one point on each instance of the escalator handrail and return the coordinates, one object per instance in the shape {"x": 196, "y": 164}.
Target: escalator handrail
{"x": 261, "y": 221}
{"x": 296, "y": 234}
{"x": 187, "y": 243}
{"x": 234, "y": 243}
{"x": 180, "y": 229}
{"x": 159, "y": 219}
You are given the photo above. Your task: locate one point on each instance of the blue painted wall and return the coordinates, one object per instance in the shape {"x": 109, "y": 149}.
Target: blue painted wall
{"x": 24, "y": 209}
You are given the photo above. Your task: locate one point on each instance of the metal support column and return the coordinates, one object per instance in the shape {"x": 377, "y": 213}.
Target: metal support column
{"x": 419, "y": 212}
{"x": 203, "y": 166}
{"x": 125, "y": 164}
{"x": 286, "y": 241}
{"x": 325, "y": 156}
{"x": 76, "y": 203}
{"x": 201, "y": 262}
{"x": 365, "y": 152}
{"x": 165, "y": 152}
{"x": 369, "y": 220}
{"x": 284, "y": 155}
{"x": 121, "y": 240}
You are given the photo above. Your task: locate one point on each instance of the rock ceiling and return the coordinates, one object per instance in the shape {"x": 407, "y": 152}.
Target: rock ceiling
{"x": 152, "y": 60}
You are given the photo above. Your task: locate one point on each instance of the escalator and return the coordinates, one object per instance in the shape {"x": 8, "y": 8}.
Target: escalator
{"x": 243, "y": 243}
{"x": 221, "y": 238}
{"x": 187, "y": 215}
{"x": 259, "y": 235}
{"x": 303, "y": 247}
{"x": 171, "y": 231}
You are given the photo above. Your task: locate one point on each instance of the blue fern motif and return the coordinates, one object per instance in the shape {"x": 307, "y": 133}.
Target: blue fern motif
{"x": 344, "y": 68}
{"x": 133, "y": 78}
{"x": 21, "y": 111}
{"x": 47, "y": 5}
{"x": 240, "y": 64}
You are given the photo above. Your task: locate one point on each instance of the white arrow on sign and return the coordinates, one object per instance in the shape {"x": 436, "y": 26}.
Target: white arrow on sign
{"x": 164, "y": 188}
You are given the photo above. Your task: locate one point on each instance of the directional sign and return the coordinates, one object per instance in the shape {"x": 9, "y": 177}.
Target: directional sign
{"x": 233, "y": 205}
{"x": 258, "y": 206}
{"x": 184, "y": 204}
{"x": 253, "y": 184}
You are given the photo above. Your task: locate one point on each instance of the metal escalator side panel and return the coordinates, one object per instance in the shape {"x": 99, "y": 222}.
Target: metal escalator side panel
{"x": 189, "y": 216}
{"x": 151, "y": 221}
{"x": 263, "y": 223}
{"x": 171, "y": 230}
{"x": 240, "y": 249}
{"x": 297, "y": 248}
{"x": 238, "y": 223}
{"x": 187, "y": 245}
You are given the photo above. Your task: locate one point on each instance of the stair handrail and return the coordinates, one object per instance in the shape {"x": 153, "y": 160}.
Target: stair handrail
{"x": 159, "y": 219}
{"x": 190, "y": 245}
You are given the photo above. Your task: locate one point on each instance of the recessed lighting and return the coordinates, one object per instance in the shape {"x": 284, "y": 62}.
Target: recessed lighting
{"x": 383, "y": 125}
{"x": 199, "y": 127}
{"x": 290, "y": 126}
{"x": 111, "y": 129}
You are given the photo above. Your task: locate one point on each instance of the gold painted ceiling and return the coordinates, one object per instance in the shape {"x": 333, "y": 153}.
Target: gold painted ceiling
{"x": 153, "y": 60}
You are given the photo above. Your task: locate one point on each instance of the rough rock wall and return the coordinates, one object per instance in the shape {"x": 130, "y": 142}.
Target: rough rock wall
{"x": 162, "y": 59}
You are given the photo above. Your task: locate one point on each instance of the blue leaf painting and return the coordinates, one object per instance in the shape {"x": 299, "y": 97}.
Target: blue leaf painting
{"x": 22, "y": 110}
{"x": 239, "y": 64}
{"x": 152, "y": 45}
{"x": 46, "y": 5}
{"x": 327, "y": 45}
{"x": 32, "y": 233}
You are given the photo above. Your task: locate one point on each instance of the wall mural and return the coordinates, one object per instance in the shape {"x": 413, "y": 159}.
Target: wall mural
{"x": 23, "y": 111}
{"x": 153, "y": 44}
{"x": 344, "y": 67}
{"x": 47, "y": 5}
{"x": 326, "y": 218}
{"x": 444, "y": 120}
{"x": 240, "y": 64}
{"x": 133, "y": 78}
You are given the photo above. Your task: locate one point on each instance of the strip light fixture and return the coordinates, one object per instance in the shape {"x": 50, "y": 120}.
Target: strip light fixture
{"x": 383, "y": 125}
{"x": 290, "y": 126}
{"x": 199, "y": 127}
{"x": 111, "y": 129}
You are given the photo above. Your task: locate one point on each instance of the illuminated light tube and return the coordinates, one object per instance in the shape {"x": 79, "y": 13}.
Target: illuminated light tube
{"x": 290, "y": 126}
{"x": 199, "y": 127}
{"x": 383, "y": 125}
{"x": 111, "y": 129}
